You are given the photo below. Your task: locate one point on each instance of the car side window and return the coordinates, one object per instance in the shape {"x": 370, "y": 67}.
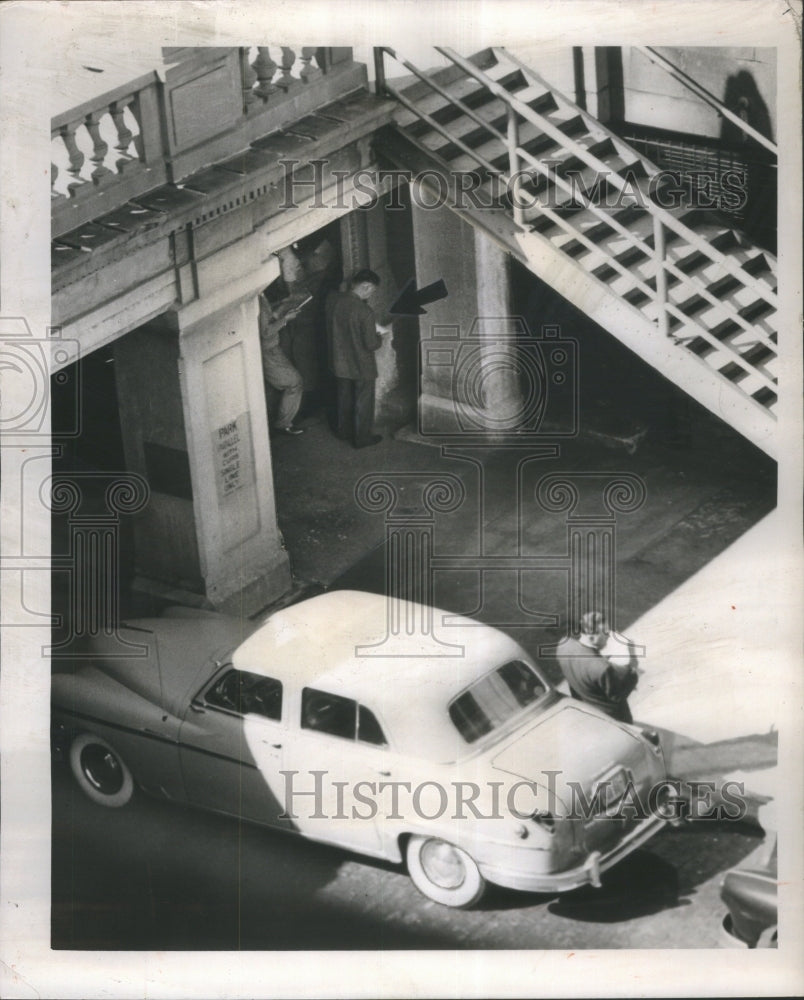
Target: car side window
{"x": 247, "y": 694}
{"x": 329, "y": 713}
{"x": 368, "y": 729}
{"x": 339, "y": 716}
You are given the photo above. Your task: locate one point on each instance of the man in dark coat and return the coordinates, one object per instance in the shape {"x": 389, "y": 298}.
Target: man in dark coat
{"x": 354, "y": 337}
{"x": 600, "y": 670}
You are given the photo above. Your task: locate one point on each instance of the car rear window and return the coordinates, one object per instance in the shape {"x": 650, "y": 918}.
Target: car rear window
{"x": 494, "y": 699}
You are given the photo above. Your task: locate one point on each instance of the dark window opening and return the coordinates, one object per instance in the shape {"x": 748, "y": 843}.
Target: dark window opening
{"x": 247, "y": 694}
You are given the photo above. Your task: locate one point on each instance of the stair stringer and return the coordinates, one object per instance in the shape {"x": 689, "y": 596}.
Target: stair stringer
{"x": 633, "y": 329}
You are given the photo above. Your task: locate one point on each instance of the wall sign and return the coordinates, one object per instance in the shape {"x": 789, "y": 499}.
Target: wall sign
{"x": 233, "y": 455}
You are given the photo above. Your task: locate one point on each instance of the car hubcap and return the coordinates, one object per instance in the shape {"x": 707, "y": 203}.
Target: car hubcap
{"x": 442, "y": 864}
{"x": 102, "y": 769}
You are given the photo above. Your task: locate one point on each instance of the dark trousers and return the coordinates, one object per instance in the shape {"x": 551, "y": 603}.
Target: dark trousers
{"x": 355, "y": 410}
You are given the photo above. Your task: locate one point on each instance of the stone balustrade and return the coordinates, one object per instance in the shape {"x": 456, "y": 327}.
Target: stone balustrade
{"x": 201, "y": 105}
{"x": 265, "y": 78}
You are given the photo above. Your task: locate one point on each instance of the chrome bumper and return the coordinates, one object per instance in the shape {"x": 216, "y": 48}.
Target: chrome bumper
{"x": 587, "y": 873}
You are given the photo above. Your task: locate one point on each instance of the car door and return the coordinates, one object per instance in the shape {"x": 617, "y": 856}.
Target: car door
{"x": 232, "y": 741}
{"x": 332, "y": 767}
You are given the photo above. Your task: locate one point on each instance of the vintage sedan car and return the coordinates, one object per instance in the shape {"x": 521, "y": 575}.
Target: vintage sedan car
{"x": 342, "y": 720}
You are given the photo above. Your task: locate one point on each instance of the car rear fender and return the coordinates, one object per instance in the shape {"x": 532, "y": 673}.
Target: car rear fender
{"x": 144, "y": 734}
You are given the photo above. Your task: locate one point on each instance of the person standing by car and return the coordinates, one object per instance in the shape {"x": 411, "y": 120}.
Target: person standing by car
{"x": 600, "y": 667}
{"x": 354, "y": 336}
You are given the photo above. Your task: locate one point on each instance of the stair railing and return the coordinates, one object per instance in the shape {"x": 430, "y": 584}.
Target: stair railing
{"x": 763, "y": 291}
{"x": 517, "y": 154}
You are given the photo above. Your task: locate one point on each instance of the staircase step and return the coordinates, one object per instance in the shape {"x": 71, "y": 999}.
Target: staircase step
{"x": 766, "y": 397}
{"x": 755, "y": 357}
{"x": 473, "y": 94}
{"x": 495, "y": 112}
{"x": 704, "y": 294}
{"x": 530, "y": 139}
{"x": 476, "y": 136}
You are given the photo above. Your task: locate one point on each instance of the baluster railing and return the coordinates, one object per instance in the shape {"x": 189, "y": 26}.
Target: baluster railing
{"x": 286, "y": 81}
{"x": 249, "y": 80}
{"x": 125, "y": 140}
{"x": 113, "y": 145}
{"x": 264, "y": 78}
{"x": 265, "y": 68}
{"x": 309, "y": 70}
{"x": 117, "y": 109}
{"x": 75, "y": 155}
{"x": 99, "y": 146}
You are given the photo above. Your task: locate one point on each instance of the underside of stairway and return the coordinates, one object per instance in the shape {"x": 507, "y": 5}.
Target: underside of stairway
{"x": 601, "y": 224}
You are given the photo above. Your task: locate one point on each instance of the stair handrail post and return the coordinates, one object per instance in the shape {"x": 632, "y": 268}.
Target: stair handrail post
{"x": 513, "y": 166}
{"x": 379, "y": 71}
{"x": 661, "y": 275}
{"x": 580, "y": 151}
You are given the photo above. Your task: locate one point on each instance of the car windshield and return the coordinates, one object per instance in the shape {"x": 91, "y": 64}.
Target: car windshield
{"x": 495, "y": 699}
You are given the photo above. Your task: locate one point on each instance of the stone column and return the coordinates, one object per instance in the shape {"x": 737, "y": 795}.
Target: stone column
{"x": 470, "y": 383}
{"x": 242, "y": 559}
{"x": 193, "y": 413}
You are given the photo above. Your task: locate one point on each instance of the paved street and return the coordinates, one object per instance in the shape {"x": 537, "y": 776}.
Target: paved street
{"x": 158, "y": 876}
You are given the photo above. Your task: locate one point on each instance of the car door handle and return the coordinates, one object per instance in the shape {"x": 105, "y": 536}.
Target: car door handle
{"x": 385, "y": 774}
{"x": 275, "y": 746}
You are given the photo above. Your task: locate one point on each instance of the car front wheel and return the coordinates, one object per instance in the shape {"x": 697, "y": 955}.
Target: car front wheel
{"x": 444, "y": 873}
{"x": 100, "y": 771}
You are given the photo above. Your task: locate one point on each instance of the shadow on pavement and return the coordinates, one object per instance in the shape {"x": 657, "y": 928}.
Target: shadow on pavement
{"x": 156, "y": 876}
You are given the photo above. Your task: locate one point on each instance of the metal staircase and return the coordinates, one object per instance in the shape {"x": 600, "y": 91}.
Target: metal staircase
{"x": 598, "y": 221}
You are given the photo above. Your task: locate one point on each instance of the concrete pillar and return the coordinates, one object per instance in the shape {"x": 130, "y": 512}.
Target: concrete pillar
{"x": 600, "y": 70}
{"x": 469, "y": 356}
{"x": 243, "y": 562}
{"x": 194, "y": 423}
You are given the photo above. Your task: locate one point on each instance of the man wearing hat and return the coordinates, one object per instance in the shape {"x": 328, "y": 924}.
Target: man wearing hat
{"x": 600, "y": 667}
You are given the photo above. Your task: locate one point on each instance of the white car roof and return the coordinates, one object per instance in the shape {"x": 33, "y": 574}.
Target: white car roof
{"x": 407, "y": 681}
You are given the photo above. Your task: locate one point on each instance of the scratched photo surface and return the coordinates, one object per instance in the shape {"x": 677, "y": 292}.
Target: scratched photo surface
{"x": 401, "y": 522}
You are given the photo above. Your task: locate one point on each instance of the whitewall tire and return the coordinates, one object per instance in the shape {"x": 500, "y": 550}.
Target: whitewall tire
{"x": 443, "y": 872}
{"x": 100, "y": 771}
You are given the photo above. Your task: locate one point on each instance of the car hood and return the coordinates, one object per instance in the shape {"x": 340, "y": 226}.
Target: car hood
{"x": 169, "y": 658}
{"x": 577, "y": 743}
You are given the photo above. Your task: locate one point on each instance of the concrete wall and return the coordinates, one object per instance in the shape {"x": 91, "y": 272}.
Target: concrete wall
{"x": 155, "y": 446}
{"x": 653, "y": 97}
